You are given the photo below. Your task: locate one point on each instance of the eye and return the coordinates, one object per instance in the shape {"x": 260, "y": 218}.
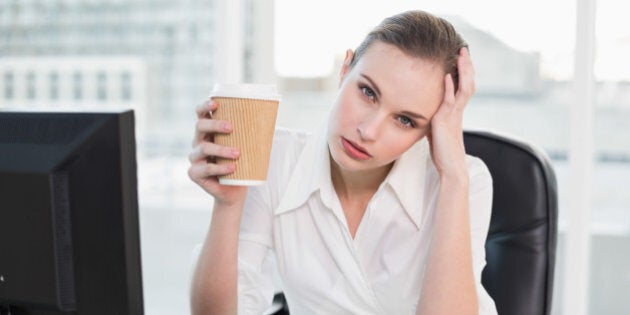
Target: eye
{"x": 406, "y": 122}
{"x": 368, "y": 92}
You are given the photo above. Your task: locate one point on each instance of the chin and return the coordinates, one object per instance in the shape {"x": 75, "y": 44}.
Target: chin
{"x": 347, "y": 163}
{"x": 342, "y": 160}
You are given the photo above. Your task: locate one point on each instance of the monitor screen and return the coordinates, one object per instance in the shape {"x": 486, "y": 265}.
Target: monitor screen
{"x": 69, "y": 230}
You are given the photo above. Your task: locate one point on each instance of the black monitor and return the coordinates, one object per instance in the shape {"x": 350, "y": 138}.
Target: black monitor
{"x": 69, "y": 232}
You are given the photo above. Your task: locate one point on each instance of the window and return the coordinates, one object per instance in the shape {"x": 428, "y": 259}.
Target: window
{"x": 53, "y": 81}
{"x": 610, "y": 213}
{"x": 77, "y": 85}
{"x": 125, "y": 86}
{"x": 8, "y": 85}
{"x": 31, "y": 93}
{"x": 101, "y": 86}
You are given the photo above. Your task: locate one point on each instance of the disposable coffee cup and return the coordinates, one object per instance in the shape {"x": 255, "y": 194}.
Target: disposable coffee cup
{"x": 252, "y": 110}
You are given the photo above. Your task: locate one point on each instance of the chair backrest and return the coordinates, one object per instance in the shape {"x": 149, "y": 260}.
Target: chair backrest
{"x": 521, "y": 244}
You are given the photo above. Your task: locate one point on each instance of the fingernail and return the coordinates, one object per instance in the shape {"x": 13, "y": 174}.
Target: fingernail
{"x": 226, "y": 126}
{"x": 235, "y": 152}
{"x": 231, "y": 167}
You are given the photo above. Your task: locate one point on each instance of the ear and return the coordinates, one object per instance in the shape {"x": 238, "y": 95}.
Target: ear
{"x": 345, "y": 67}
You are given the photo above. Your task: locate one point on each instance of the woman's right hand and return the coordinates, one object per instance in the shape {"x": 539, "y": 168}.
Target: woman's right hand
{"x": 203, "y": 168}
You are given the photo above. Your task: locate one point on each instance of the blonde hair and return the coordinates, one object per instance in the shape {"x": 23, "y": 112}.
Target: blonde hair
{"x": 418, "y": 34}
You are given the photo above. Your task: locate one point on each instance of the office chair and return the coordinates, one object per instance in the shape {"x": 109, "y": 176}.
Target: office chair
{"x": 521, "y": 243}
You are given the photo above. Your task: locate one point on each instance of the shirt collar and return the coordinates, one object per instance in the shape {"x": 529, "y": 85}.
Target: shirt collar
{"x": 407, "y": 179}
{"x": 312, "y": 173}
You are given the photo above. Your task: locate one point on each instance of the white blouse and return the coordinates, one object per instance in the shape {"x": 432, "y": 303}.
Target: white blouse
{"x": 295, "y": 223}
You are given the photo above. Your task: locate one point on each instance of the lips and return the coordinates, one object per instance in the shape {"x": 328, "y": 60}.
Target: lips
{"x": 354, "y": 150}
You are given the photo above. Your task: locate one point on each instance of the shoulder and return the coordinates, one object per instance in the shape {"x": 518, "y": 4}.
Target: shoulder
{"x": 478, "y": 172}
{"x": 480, "y": 187}
{"x": 480, "y": 193}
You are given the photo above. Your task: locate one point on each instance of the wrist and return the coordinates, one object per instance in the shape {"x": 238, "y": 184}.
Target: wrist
{"x": 231, "y": 206}
{"x": 458, "y": 179}
{"x": 233, "y": 199}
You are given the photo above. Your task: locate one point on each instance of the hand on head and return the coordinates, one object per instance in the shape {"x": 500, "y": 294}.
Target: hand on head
{"x": 446, "y": 135}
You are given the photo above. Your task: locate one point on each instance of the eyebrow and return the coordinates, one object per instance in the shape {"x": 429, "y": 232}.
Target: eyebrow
{"x": 414, "y": 115}
{"x": 372, "y": 83}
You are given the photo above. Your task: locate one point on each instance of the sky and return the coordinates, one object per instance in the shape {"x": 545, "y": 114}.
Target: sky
{"x": 310, "y": 34}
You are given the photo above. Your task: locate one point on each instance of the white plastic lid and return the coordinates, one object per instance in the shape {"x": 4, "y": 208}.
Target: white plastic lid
{"x": 246, "y": 90}
{"x": 240, "y": 182}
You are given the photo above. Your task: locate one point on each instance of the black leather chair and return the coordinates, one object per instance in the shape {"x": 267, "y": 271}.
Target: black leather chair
{"x": 521, "y": 243}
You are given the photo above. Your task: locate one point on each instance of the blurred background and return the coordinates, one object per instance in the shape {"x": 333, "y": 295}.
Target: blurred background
{"x": 161, "y": 58}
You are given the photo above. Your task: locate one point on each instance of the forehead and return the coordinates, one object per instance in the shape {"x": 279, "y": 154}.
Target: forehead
{"x": 403, "y": 80}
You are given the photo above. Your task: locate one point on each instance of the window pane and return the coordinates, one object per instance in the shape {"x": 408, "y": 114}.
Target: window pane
{"x": 125, "y": 86}
{"x": 8, "y": 85}
{"x": 53, "y": 81}
{"x": 30, "y": 86}
{"x": 611, "y": 203}
{"x": 77, "y": 85}
{"x": 101, "y": 86}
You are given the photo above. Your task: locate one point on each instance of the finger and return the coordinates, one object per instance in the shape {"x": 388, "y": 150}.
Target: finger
{"x": 209, "y": 149}
{"x": 203, "y": 170}
{"x": 204, "y": 109}
{"x": 449, "y": 92}
{"x": 466, "y": 75}
{"x": 206, "y": 126}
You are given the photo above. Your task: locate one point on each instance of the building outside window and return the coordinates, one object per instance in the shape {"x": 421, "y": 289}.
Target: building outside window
{"x": 77, "y": 85}
{"x": 125, "y": 86}
{"x": 9, "y": 85}
{"x": 31, "y": 89}
{"x": 101, "y": 86}
{"x": 53, "y": 81}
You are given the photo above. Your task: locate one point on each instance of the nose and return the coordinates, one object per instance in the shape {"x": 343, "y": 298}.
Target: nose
{"x": 369, "y": 127}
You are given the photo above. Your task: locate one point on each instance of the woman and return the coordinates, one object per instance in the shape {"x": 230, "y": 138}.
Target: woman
{"x": 379, "y": 212}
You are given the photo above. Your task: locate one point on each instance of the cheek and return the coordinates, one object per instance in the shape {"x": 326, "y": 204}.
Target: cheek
{"x": 338, "y": 119}
{"x": 400, "y": 144}
{"x": 346, "y": 110}
{"x": 398, "y": 141}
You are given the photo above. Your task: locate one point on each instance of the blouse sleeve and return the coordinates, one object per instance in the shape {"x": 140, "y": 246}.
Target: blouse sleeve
{"x": 255, "y": 261}
{"x": 480, "y": 203}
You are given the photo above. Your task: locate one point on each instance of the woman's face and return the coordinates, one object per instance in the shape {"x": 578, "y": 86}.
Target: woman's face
{"x": 384, "y": 106}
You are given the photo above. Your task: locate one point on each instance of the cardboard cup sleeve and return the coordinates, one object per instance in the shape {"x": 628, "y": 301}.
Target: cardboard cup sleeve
{"x": 254, "y": 122}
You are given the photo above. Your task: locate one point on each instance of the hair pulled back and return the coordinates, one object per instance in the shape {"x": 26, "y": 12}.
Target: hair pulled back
{"x": 418, "y": 34}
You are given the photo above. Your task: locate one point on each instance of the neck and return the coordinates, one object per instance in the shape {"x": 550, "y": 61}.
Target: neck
{"x": 364, "y": 183}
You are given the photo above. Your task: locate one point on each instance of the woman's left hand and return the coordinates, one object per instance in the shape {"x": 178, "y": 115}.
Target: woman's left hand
{"x": 446, "y": 135}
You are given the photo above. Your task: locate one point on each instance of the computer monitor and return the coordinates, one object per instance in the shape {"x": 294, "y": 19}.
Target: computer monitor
{"x": 69, "y": 232}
